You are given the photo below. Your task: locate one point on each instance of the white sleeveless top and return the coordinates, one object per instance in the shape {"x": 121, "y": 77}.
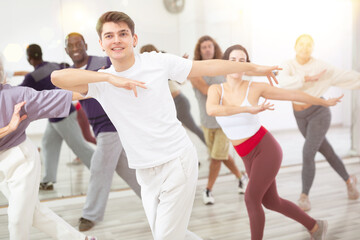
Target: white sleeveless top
{"x": 241, "y": 125}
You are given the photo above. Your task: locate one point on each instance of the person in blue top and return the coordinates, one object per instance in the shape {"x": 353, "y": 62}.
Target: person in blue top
{"x": 58, "y": 129}
{"x": 20, "y": 167}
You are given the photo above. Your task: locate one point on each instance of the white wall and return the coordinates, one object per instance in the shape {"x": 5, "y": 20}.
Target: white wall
{"x": 267, "y": 28}
{"x": 275, "y": 29}
{"x": 48, "y": 22}
{"x": 356, "y": 65}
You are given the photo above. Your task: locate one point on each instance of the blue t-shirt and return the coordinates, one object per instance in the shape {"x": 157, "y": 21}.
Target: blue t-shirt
{"x": 98, "y": 119}
{"x": 40, "y": 79}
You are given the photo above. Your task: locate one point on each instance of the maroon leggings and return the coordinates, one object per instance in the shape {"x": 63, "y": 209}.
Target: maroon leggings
{"x": 262, "y": 164}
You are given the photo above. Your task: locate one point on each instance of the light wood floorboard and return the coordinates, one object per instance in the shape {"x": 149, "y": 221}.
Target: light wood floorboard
{"x": 227, "y": 219}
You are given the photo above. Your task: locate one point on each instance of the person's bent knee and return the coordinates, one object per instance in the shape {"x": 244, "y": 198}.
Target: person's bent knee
{"x": 271, "y": 205}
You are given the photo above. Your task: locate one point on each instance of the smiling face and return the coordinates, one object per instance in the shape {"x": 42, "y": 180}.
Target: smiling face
{"x": 304, "y": 47}
{"x": 118, "y": 41}
{"x": 76, "y": 49}
{"x": 237, "y": 56}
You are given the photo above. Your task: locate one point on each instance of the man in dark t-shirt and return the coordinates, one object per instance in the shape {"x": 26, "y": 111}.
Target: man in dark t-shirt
{"x": 58, "y": 129}
{"x": 109, "y": 155}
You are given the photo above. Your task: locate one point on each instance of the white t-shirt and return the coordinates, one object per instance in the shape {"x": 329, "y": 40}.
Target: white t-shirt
{"x": 174, "y": 87}
{"x": 147, "y": 125}
{"x": 293, "y": 77}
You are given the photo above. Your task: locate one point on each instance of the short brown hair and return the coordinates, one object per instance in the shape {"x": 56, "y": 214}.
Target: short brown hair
{"x": 115, "y": 17}
{"x": 197, "y": 53}
{"x": 235, "y": 47}
{"x": 148, "y": 48}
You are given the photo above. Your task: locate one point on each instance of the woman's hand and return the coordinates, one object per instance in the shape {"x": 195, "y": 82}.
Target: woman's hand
{"x": 260, "y": 108}
{"x": 332, "y": 101}
{"x": 267, "y": 71}
{"x": 126, "y": 83}
{"x": 315, "y": 77}
{"x": 16, "y": 119}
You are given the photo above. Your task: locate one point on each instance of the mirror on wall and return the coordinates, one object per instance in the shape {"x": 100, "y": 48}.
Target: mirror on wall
{"x": 228, "y": 22}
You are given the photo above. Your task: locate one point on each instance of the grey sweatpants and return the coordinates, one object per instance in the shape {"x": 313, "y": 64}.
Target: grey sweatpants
{"x": 313, "y": 123}
{"x": 183, "y": 114}
{"x": 109, "y": 156}
{"x": 69, "y": 130}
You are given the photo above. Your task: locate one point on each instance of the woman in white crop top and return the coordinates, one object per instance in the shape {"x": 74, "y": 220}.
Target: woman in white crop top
{"x": 235, "y": 105}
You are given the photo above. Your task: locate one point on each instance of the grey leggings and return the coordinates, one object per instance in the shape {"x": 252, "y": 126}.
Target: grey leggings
{"x": 313, "y": 123}
{"x": 183, "y": 114}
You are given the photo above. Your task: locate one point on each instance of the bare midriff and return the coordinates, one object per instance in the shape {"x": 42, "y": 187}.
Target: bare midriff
{"x": 238, "y": 141}
{"x": 300, "y": 107}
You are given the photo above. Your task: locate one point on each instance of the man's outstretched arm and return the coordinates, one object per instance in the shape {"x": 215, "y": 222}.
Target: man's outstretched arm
{"x": 77, "y": 80}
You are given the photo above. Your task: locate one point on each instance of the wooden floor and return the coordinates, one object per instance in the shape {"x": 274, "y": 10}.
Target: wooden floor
{"x": 227, "y": 219}
{"x": 73, "y": 180}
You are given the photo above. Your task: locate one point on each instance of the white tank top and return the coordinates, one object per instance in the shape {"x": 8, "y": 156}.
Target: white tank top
{"x": 241, "y": 125}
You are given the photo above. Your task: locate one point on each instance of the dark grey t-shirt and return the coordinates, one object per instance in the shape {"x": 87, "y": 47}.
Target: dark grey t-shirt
{"x": 43, "y": 104}
{"x": 206, "y": 120}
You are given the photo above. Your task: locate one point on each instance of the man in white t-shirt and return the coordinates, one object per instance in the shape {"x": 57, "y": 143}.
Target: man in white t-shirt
{"x": 155, "y": 142}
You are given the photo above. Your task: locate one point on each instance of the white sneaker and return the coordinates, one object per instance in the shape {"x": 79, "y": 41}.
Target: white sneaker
{"x": 243, "y": 182}
{"x": 304, "y": 203}
{"x": 208, "y": 199}
{"x": 321, "y": 232}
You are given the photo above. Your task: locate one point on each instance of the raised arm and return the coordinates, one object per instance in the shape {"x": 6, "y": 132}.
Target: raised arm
{"x": 288, "y": 80}
{"x": 217, "y": 67}
{"x": 275, "y": 93}
{"x": 77, "y": 96}
{"x": 213, "y": 107}
{"x": 16, "y": 119}
{"x": 77, "y": 80}
{"x": 348, "y": 79}
{"x": 20, "y": 73}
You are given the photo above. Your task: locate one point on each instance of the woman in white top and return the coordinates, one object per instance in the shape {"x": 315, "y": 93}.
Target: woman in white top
{"x": 235, "y": 105}
{"x": 315, "y": 77}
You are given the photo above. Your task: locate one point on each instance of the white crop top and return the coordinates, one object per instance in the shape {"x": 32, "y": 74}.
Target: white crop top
{"x": 241, "y": 125}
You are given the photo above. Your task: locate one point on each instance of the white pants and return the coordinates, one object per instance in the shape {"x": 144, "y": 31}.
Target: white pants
{"x": 168, "y": 193}
{"x": 19, "y": 181}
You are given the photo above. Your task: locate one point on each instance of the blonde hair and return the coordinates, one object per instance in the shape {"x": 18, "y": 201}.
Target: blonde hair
{"x": 304, "y": 35}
